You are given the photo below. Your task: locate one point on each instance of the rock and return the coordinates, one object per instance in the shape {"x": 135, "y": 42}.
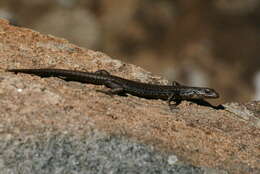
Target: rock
{"x": 50, "y": 125}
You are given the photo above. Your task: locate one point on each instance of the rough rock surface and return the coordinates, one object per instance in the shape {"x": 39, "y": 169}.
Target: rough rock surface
{"x": 53, "y": 126}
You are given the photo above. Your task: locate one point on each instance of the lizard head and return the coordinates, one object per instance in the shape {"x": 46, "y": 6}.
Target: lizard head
{"x": 199, "y": 93}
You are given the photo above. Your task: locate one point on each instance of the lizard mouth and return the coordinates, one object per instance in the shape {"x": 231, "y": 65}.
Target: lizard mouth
{"x": 212, "y": 95}
{"x": 206, "y": 93}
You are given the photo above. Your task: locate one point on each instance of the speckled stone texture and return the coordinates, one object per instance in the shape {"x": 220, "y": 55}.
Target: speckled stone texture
{"x": 94, "y": 153}
{"x": 53, "y": 126}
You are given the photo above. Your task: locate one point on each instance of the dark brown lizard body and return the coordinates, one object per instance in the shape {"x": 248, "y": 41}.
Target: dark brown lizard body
{"x": 118, "y": 85}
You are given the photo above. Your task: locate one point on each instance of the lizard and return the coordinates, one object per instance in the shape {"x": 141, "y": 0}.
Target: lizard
{"x": 120, "y": 86}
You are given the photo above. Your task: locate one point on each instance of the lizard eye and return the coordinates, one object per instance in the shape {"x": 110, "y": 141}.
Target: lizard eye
{"x": 207, "y": 91}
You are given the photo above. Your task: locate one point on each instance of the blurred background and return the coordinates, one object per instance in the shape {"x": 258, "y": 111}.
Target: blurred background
{"x": 196, "y": 42}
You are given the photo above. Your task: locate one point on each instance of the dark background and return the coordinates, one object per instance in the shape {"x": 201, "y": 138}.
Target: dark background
{"x": 196, "y": 42}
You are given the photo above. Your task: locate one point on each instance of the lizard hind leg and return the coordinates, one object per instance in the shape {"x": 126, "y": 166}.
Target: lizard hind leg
{"x": 102, "y": 72}
{"x": 115, "y": 89}
{"x": 174, "y": 83}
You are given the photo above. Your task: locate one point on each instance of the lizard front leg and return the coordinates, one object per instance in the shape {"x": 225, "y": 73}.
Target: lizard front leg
{"x": 173, "y": 98}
